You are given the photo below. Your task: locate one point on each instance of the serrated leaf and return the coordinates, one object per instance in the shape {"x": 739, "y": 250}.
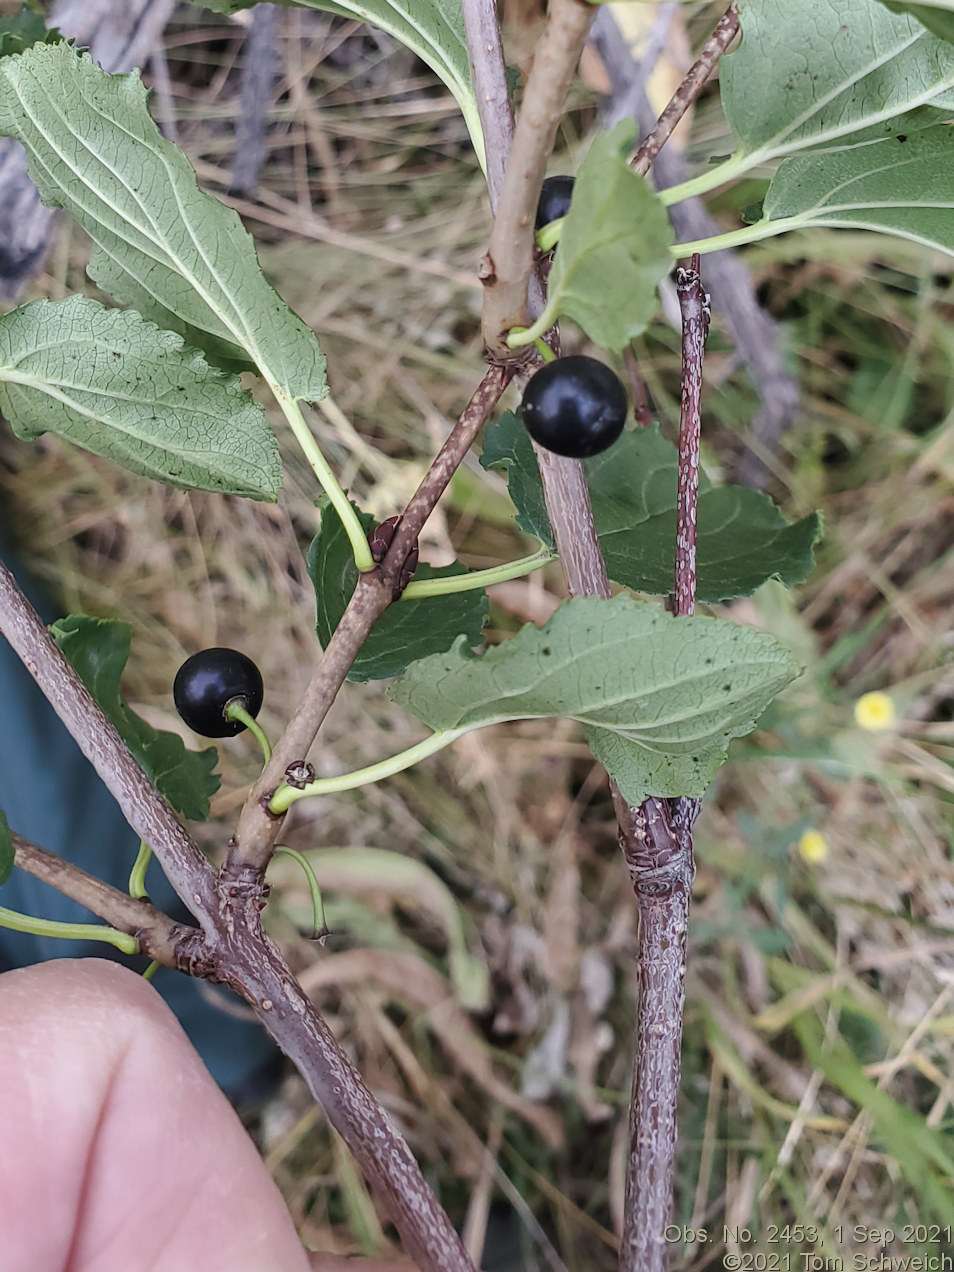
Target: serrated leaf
{"x": 433, "y": 29}
{"x": 160, "y": 244}
{"x": 613, "y": 248}
{"x": 98, "y": 648}
{"x": 121, "y": 387}
{"x": 936, "y": 15}
{"x": 900, "y": 182}
{"x": 407, "y": 630}
{"x": 742, "y": 538}
{"x": 7, "y": 853}
{"x": 806, "y": 74}
{"x": 659, "y": 697}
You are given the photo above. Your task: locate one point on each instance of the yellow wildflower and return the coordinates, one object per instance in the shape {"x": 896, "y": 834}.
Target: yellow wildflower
{"x": 874, "y": 711}
{"x": 813, "y": 846}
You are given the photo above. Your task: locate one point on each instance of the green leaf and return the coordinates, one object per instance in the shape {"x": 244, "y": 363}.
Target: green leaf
{"x": 659, "y": 697}
{"x": 23, "y": 30}
{"x": 7, "y": 854}
{"x": 119, "y": 386}
{"x": 433, "y": 29}
{"x": 901, "y": 182}
{"x": 613, "y": 247}
{"x": 805, "y": 74}
{"x": 936, "y": 15}
{"x": 98, "y": 648}
{"x": 507, "y": 448}
{"x": 159, "y": 244}
{"x": 407, "y": 630}
{"x": 742, "y": 538}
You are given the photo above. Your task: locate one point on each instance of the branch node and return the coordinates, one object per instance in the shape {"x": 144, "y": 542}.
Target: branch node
{"x": 486, "y": 270}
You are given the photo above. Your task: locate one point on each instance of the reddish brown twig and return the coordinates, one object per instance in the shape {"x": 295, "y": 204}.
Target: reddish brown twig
{"x": 143, "y": 807}
{"x": 656, "y": 840}
{"x": 637, "y": 388}
{"x": 159, "y": 937}
{"x": 231, "y": 946}
{"x": 725, "y": 32}
{"x": 257, "y": 829}
{"x": 694, "y": 305}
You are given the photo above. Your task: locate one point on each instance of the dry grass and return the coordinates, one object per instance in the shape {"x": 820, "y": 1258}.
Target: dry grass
{"x": 810, "y": 985}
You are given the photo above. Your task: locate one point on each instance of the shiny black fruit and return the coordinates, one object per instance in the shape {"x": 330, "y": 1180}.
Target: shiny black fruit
{"x": 207, "y": 682}
{"x": 574, "y": 406}
{"x": 554, "y": 200}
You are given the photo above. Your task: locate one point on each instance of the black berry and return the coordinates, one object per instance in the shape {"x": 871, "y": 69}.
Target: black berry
{"x": 554, "y": 200}
{"x": 574, "y": 406}
{"x": 207, "y": 682}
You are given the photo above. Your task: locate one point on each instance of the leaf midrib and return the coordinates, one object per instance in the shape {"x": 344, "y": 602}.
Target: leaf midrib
{"x": 171, "y": 261}
{"x": 774, "y": 146}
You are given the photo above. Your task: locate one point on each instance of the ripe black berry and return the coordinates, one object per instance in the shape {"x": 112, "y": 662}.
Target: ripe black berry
{"x": 554, "y": 200}
{"x": 575, "y": 406}
{"x": 207, "y": 682}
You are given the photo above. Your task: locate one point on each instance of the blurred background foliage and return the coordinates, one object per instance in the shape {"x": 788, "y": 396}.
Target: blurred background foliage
{"x": 481, "y": 971}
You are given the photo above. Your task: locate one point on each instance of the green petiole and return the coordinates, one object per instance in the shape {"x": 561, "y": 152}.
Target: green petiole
{"x": 517, "y": 337}
{"x": 477, "y": 578}
{"x": 547, "y": 238}
{"x": 317, "y": 905}
{"x": 711, "y": 177}
{"x": 137, "y": 876}
{"x": 68, "y": 931}
{"x": 326, "y": 478}
{"x": 735, "y": 238}
{"x": 235, "y": 710}
{"x": 285, "y": 796}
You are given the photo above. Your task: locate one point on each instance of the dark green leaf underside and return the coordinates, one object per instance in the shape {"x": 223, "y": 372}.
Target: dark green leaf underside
{"x": 807, "y": 74}
{"x": 898, "y": 179}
